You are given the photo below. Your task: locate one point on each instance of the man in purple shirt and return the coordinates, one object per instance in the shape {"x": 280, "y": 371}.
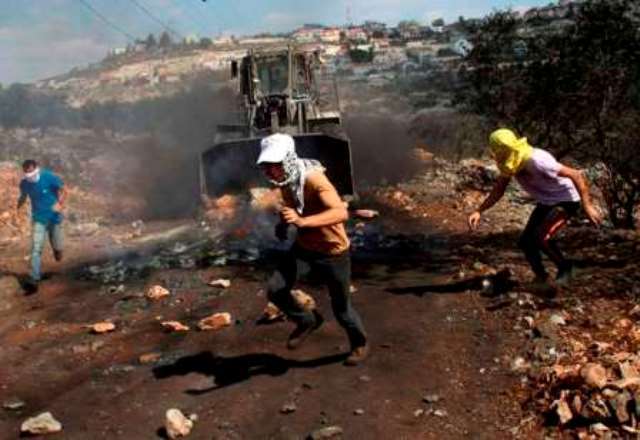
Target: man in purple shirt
{"x": 558, "y": 191}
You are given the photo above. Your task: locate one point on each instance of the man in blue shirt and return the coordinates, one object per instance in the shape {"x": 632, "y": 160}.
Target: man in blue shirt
{"x": 47, "y": 195}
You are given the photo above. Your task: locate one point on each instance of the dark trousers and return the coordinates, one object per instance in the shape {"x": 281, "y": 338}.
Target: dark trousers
{"x": 537, "y": 238}
{"x": 336, "y": 274}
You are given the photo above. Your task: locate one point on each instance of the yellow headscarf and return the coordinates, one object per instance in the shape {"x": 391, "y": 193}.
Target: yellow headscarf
{"x": 510, "y": 153}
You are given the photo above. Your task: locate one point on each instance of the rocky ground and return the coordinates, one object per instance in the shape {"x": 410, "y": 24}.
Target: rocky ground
{"x": 450, "y": 359}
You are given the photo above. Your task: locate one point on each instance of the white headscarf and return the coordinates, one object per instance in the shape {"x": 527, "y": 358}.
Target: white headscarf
{"x": 33, "y": 176}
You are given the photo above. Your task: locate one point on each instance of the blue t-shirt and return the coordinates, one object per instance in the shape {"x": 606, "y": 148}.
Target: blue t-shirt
{"x": 43, "y": 195}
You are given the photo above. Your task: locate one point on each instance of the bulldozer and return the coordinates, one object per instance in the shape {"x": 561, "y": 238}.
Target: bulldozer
{"x": 280, "y": 90}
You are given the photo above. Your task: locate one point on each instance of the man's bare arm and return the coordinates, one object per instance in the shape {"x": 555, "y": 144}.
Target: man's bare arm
{"x": 335, "y": 213}
{"x": 62, "y": 196}
{"x": 21, "y": 200}
{"x": 581, "y": 183}
{"x": 494, "y": 196}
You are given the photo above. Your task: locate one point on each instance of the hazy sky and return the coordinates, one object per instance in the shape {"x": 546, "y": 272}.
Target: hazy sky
{"x": 42, "y": 38}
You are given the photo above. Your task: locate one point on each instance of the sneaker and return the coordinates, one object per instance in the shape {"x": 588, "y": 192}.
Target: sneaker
{"x": 57, "y": 255}
{"x": 357, "y": 355}
{"x": 302, "y": 331}
{"x": 544, "y": 287}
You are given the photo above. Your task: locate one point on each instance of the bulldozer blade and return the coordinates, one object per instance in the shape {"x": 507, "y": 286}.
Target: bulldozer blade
{"x": 230, "y": 167}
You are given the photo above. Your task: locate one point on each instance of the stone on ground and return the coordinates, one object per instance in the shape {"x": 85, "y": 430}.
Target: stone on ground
{"x": 41, "y": 424}
{"x": 176, "y": 424}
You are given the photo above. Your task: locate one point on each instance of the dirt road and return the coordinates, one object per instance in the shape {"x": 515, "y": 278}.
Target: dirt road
{"x": 238, "y": 379}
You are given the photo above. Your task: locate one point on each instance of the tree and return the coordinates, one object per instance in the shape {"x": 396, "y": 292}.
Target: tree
{"x": 150, "y": 42}
{"x": 438, "y": 22}
{"x": 361, "y": 56}
{"x": 165, "y": 40}
{"x": 205, "y": 42}
{"x": 575, "y": 91}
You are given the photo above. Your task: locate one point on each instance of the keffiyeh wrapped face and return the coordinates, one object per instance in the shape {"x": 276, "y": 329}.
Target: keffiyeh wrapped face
{"x": 280, "y": 148}
{"x": 291, "y": 169}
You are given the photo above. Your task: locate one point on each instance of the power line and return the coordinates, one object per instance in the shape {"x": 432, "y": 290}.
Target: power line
{"x": 156, "y": 19}
{"x": 187, "y": 14}
{"x": 107, "y": 21}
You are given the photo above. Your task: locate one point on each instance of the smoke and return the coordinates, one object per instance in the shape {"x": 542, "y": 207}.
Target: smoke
{"x": 381, "y": 146}
{"x": 161, "y": 164}
{"x": 169, "y": 157}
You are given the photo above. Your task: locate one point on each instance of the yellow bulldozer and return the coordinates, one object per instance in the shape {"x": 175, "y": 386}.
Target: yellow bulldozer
{"x": 280, "y": 90}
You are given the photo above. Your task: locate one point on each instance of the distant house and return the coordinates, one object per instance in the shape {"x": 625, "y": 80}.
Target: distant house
{"x": 262, "y": 40}
{"x": 409, "y": 30}
{"x": 307, "y": 34}
{"x": 380, "y": 43}
{"x": 191, "y": 39}
{"x": 117, "y": 51}
{"x": 356, "y": 33}
{"x": 139, "y": 47}
{"x": 330, "y": 35}
{"x": 375, "y": 27}
{"x": 223, "y": 40}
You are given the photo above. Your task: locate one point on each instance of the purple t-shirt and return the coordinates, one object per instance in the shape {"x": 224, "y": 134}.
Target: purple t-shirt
{"x": 539, "y": 177}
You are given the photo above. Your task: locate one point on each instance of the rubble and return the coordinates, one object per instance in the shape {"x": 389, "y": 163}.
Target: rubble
{"x": 441, "y": 413}
{"x": 157, "y": 292}
{"x": 366, "y": 213}
{"x": 13, "y": 404}
{"x": 215, "y": 321}
{"x": 174, "y": 326}
{"x": 103, "y": 327}
{"x": 289, "y": 408}
{"x": 222, "y": 283}
{"x": 326, "y": 433}
{"x": 594, "y": 375}
{"x": 41, "y": 425}
{"x": 176, "y": 424}
{"x": 149, "y": 358}
{"x": 564, "y": 412}
{"x": 431, "y": 398}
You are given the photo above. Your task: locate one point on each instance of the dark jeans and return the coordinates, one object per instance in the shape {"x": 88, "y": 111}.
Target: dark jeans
{"x": 335, "y": 272}
{"x": 544, "y": 223}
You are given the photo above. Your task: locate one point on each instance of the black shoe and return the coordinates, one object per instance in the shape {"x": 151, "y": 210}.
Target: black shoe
{"x": 302, "y": 331}
{"x": 30, "y": 286}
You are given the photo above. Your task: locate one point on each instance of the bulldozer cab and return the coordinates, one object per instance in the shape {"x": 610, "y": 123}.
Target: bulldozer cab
{"x": 281, "y": 90}
{"x": 272, "y": 76}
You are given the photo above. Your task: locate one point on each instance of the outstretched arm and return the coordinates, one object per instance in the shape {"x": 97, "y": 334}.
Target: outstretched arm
{"x": 494, "y": 196}
{"x": 581, "y": 183}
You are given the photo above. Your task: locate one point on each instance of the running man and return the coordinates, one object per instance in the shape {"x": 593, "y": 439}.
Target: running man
{"x": 557, "y": 190}
{"x": 314, "y": 207}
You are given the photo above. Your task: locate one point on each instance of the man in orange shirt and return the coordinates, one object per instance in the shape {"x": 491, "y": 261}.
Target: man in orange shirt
{"x": 314, "y": 207}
